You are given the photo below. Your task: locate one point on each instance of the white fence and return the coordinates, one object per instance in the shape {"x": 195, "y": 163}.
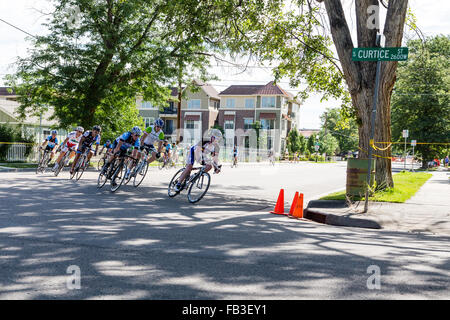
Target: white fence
{"x": 17, "y": 153}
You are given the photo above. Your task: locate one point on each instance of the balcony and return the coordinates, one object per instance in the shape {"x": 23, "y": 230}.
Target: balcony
{"x": 169, "y": 110}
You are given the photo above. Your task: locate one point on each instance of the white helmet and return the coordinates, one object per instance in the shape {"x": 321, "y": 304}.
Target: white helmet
{"x": 137, "y": 131}
{"x": 216, "y": 133}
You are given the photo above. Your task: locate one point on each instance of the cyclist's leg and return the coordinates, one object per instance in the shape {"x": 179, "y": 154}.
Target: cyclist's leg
{"x": 189, "y": 164}
{"x": 77, "y": 156}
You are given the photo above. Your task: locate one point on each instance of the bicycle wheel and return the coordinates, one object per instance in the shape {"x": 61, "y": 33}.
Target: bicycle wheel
{"x": 161, "y": 164}
{"x": 75, "y": 168}
{"x": 171, "y": 190}
{"x": 118, "y": 176}
{"x": 44, "y": 162}
{"x": 102, "y": 177}
{"x": 81, "y": 168}
{"x": 199, "y": 187}
{"x": 60, "y": 166}
{"x": 100, "y": 164}
{"x": 41, "y": 159}
{"x": 141, "y": 171}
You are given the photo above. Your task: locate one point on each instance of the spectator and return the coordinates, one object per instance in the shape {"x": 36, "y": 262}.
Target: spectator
{"x": 446, "y": 161}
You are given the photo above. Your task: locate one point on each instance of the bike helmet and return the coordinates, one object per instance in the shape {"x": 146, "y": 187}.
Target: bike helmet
{"x": 137, "y": 131}
{"x": 108, "y": 141}
{"x": 159, "y": 122}
{"x": 54, "y": 132}
{"x": 213, "y": 133}
{"x": 81, "y": 129}
{"x": 97, "y": 128}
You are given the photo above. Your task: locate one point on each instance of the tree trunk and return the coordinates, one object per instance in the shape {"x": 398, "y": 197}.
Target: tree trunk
{"x": 360, "y": 75}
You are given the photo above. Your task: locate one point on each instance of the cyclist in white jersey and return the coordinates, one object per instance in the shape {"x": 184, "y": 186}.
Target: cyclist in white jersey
{"x": 70, "y": 144}
{"x": 151, "y": 135}
{"x": 200, "y": 153}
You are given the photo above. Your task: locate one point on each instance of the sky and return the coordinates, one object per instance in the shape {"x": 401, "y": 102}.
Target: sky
{"x": 432, "y": 19}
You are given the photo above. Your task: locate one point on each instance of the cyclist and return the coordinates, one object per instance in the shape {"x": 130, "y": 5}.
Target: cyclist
{"x": 50, "y": 143}
{"x": 70, "y": 144}
{"x": 198, "y": 153}
{"x": 87, "y": 140}
{"x": 235, "y": 154}
{"x": 151, "y": 135}
{"x": 107, "y": 146}
{"x": 130, "y": 139}
{"x": 175, "y": 153}
{"x": 271, "y": 156}
{"x": 167, "y": 151}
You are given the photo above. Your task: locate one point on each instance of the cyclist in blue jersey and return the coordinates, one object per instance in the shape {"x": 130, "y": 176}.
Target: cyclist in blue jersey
{"x": 107, "y": 146}
{"x": 50, "y": 143}
{"x": 130, "y": 139}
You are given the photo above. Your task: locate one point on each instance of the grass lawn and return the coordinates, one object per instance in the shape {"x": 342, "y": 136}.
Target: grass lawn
{"x": 406, "y": 184}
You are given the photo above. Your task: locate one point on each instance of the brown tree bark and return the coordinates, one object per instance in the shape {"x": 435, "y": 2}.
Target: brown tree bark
{"x": 360, "y": 75}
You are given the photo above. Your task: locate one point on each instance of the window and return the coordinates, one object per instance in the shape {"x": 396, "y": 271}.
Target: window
{"x": 250, "y": 103}
{"x": 168, "y": 127}
{"x": 149, "y": 121}
{"x": 267, "y": 124}
{"x": 268, "y": 102}
{"x": 283, "y": 124}
{"x": 191, "y": 124}
{"x": 147, "y": 105}
{"x": 248, "y": 122}
{"x": 194, "y": 104}
{"x": 46, "y": 132}
{"x": 230, "y": 103}
{"x": 229, "y": 124}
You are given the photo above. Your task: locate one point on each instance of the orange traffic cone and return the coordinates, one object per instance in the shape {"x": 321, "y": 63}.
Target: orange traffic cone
{"x": 294, "y": 204}
{"x": 279, "y": 207}
{"x": 298, "y": 211}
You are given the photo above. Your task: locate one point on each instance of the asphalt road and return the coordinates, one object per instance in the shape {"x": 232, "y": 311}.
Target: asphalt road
{"x": 140, "y": 244}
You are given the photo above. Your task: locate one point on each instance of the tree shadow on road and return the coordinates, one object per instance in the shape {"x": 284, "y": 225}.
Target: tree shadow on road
{"x": 141, "y": 244}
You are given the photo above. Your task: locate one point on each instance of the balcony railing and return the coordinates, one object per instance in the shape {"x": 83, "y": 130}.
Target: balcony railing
{"x": 169, "y": 111}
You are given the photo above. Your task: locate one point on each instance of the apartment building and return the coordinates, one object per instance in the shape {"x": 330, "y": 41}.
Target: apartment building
{"x": 274, "y": 108}
{"x": 199, "y": 111}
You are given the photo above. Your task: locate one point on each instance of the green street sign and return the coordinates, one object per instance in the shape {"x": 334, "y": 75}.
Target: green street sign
{"x": 380, "y": 54}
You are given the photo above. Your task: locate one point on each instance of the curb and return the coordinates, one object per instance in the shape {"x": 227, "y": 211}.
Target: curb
{"x": 335, "y": 220}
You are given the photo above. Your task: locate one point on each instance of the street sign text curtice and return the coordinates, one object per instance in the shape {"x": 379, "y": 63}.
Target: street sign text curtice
{"x": 380, "y": 54}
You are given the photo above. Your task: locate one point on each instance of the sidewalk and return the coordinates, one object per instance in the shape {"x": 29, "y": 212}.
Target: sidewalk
{"x": 427, "y": 211}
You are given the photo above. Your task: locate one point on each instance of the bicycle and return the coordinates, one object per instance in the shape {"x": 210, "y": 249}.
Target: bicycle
{"x": 234, "y": 163}
{"x": 140, "y": 170}
{"x": 102, "y": 161}
{"x": 81, "y": 165}
{"x": 113, "y": 171}
{"x": 63, "y": 163}
{"x": 44, "y": 160}
{"x": 201, "y": 180}
{"x": 163, "y": 162}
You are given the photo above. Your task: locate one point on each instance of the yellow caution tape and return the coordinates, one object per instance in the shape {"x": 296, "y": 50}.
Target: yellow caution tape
{"x": 445, "y": 143}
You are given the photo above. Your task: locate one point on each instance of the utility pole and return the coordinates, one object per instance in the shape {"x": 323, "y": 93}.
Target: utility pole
{"x": 372, "y": 131}
{"x": 179, "y": 113}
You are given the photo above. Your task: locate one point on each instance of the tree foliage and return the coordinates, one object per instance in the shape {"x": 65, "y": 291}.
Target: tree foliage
{"x": 421, "y": 100}
{"x": 342, "y": 127}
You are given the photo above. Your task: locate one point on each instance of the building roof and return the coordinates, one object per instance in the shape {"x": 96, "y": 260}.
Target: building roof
{"x": 208, "y": 89}
{"x": 308, "y": 132}
{"x": 10, "y": 107}
{"x": 268, "y": 89}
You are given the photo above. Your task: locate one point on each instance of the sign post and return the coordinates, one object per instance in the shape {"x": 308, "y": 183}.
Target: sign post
{"x": 405, "y": 134}
{"x": 413, "y": 144}
{"x": 377, "y": 54}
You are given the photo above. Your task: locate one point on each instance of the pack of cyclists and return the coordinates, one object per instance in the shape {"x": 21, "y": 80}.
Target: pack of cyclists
{"x": 136, "y": 144}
